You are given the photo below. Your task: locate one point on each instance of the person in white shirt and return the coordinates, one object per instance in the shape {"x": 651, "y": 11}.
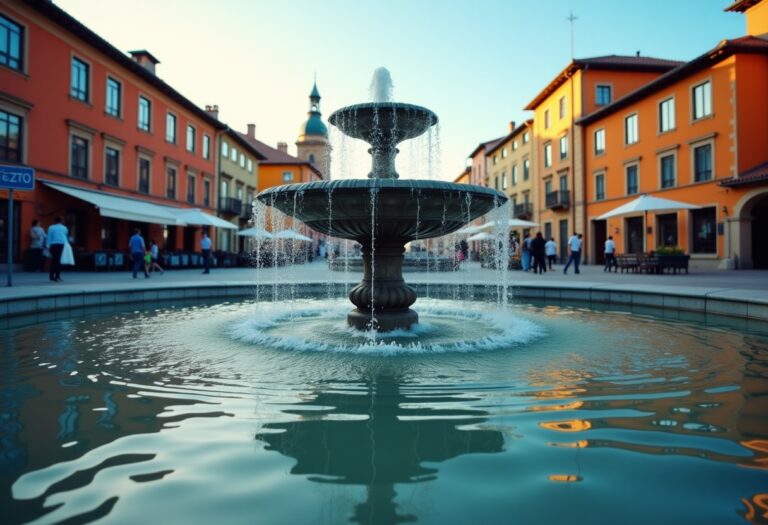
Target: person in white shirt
{"x": 551, "y": 250}
{"x": 205, "y": 247}
{"x": 574, "y": 246}
{"x": 610, "y": 255}
{"x": 56, "y": 239}
{"x": 36, "y": 245}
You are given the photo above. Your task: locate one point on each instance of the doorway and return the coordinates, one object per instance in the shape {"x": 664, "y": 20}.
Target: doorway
{"x": 600, "y": 235}
{"x": 634, "y": 228}
{"x": 759, "y": 227}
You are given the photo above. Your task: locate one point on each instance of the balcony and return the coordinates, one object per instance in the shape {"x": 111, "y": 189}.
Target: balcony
{"x": 247, "y": 211}
{"x": 231, "y": 206}
{"x": 523, "y": 211}
{"x": 558, "y": 199}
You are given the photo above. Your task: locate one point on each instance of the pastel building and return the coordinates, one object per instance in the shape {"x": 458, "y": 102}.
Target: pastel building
{"x": 113, "y": 145}
{"x": 582, "y": 87}
{"x": 698, "y": 135}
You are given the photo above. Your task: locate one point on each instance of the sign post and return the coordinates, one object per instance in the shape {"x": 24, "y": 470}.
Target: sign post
{"x": 14, "y": 178}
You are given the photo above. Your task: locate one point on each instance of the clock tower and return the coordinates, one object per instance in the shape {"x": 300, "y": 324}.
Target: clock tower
{"x": 312, "y": 145}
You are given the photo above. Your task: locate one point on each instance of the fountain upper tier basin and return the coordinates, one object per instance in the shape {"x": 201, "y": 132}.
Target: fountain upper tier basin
{"x": 401, "y": 210}
{"x": 380, "y": 123}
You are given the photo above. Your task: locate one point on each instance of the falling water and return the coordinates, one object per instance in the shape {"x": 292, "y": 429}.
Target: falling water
{"x": 373, "y": 195}
{"x": 328, "y": 245}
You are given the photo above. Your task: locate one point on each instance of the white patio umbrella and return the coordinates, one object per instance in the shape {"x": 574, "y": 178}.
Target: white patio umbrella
{"x": 469, "y": 230}
{"x": 195, "y": 216}
{"x": 482, "y": 236}
{"x": 511, "y": 223}
{"x": 260, "y": 233}
{"x": 292, "y": 235}
{"x": 646, "y": 203}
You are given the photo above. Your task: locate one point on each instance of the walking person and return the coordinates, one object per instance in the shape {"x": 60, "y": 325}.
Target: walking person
{"x": 36, "y": 246}
{"x": 154, "y": 253}
{"x": 205, "y": 247}
{"x": 538, "y": 251}
{"x": 525, "y": 258}
{"x": 574, "y": 247}
{"x": 610, "y": 255}
{"x": 56, "y": 238}
{"x": 137, "y": 247}
{"x": 550, "y": 248}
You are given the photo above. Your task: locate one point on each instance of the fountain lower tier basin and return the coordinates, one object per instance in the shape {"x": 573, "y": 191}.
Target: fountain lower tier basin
{"x": 362, "y": 209}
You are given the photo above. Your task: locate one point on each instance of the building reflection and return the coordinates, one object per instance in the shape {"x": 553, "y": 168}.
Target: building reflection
{"x": 378, "y": 436}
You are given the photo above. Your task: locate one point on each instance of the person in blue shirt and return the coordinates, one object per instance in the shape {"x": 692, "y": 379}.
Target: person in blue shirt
{"x": 205, "y": 247}
{"x": 57, "y": 237}
{"x": 138, "y": 248}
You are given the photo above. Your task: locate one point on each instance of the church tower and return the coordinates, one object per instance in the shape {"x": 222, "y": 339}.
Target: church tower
{"x": 312, "y": 145}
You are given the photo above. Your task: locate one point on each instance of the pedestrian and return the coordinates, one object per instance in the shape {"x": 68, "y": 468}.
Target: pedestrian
{"x": 138, "y": 249}
{"x": 205, "y": 247}
{"x": 551, "y": 250}
{"x": 525, "y": 258}
{"x": 36, "y": 246}
{"x": 610, "y": 255}
{"x": 538, "y": 251}
{"x": 574, "y": 247}
{"x": 154, "y": 253}
{"x": 56, "y": 238}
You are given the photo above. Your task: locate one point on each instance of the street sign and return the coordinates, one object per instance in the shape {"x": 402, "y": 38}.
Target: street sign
{"x": 17, "y": 178}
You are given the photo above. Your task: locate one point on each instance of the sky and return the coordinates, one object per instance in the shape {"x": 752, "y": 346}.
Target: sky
{"x": 476, "y": 64}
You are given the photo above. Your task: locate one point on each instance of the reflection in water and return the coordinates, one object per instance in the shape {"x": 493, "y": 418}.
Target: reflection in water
{"x": 378, "y": 437}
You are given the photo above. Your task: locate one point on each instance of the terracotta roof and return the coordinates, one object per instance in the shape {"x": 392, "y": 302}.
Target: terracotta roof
{"x": 69, "y": 23}
{"x": 239, "y": 138}
{"x": 726, "y": 48}
{"x": 742, "y": 5}
{"x": 604, "y": 63}
{"x": 755, "y": 175}
{"x": 528, "y": 123}
{"x": 485, "y": 146}
{"x": 275, "y": 156}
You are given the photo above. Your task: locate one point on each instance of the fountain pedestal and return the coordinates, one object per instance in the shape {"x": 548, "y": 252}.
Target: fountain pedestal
{"x": 382, "y": 298}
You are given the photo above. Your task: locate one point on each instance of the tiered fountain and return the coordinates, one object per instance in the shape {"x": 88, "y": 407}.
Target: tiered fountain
{"x": 383, "y": 213}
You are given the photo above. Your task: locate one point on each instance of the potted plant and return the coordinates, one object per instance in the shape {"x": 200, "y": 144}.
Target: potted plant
{"x": 672, "y": 257}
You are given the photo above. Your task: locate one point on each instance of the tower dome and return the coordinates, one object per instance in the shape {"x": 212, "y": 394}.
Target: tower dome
{"x": 314, "y": 125}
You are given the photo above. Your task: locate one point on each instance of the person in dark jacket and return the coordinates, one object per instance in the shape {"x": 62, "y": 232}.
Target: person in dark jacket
{"x": 539, "y": 254}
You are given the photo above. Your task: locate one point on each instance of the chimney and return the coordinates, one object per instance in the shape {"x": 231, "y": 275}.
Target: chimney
{"x": 252, "y": 130}
{"x": 213, "y": 111}
{"x": 637, "y": 53}
{"x": 145, "y": 59}
{"x": 282, "y": 146}
{"x": 511, "y": 126}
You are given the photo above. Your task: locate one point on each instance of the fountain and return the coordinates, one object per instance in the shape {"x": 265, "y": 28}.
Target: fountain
{"x": 383, "y": 213}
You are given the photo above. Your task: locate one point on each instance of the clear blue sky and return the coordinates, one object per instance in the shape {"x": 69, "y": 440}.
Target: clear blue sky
{"x": 474, "y": 63}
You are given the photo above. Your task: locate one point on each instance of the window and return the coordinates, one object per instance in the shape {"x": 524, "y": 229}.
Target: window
{"x": 287, "y": 176}
{"x": 170, "y": 183}
{"x": 114, "y": 90}
{"x": 250, "y": 166}
{"x": 564, "y": 147}
{"x": 144, "y": 167}
{"x": 224, "y": 189}
{"x": 170, "y": 128}
{"x": 546, "y": 119}
{"x": 547, "y": 155}
{"x": 514, "y": 145}
{"x": 504, "y": 153}
{"x": 526, "y": 137}
{"x": 631, "y": 172}
{"x": 548, "y": 187}
{"x": 11, "y": 44}
{"x": 311, "y": 158}
{"x": 503, "y": 180}
{"x": 191, "y": 138}
{"x": 206, "y": 192}
{"x": 112, "y": 166}
{"x": 190, "y": 189}
{"x": 603, "y": 95}
{"x": 496, "y": 182}
{"x": 702, "y": 100}
{"x": 702, "y": 163}
{"x": 667, "y": 115}
{"x": 145, "y": 114}
{"x": 495, "y": 159}
{"x": 526, "y": 169}
{"x": 667, "y": 168}
{"x": 224, "y": 149}
{"x": 79, "y": 85}
{"x": 206, "y": 147}
{"x": 10, "y": 137}
{"x": 79, "y": 157}
{"x": 704, "y": 228}
{"x": 233, "y": 154}
{"x": 600, "y": 187}
{"x": 600, "y": 141}
{"x": 561, "y": 104}
{"x": 563, "y": 182}
{"x": 242, "y": 160}
{"x": 630, "y": 129}
{"x": 514, "y": 175}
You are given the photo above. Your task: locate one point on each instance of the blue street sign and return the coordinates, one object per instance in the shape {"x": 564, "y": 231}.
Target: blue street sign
{"x": 17, "y": 178}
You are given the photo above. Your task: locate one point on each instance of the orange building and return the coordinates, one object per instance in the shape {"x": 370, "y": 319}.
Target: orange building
{"x": 463, "y": 177}
{"x": 114, "y": 147}
{"x": 582, "y": 87}
{"x": 698, "y": 135}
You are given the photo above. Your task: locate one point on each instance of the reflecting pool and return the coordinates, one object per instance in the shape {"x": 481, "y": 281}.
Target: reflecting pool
{"x": 245, "y": 413}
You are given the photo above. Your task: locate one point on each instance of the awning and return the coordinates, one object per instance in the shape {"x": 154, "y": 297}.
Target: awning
{"x": 198, "y": 217}
{"x": 120, "y": 207}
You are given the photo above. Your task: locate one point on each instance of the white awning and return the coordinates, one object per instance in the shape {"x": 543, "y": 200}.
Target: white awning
{"x": 198, "y": 217}
{"x": 119, "y": 207}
